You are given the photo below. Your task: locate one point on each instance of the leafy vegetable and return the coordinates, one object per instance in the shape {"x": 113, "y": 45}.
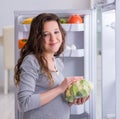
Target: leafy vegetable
{"x": 81, "y": 88}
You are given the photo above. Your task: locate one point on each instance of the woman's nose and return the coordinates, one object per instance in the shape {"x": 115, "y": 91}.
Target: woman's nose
{"x": 52, "y": 37}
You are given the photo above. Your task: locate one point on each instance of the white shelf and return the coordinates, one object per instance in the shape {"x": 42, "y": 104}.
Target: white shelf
{"x": 67, "y": 27}
{"x": 73, "y": 27}
{"x": 73, "y": 53}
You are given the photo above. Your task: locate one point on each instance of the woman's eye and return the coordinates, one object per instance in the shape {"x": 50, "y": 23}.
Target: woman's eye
{"x": 56, "y": 32}
{"x": 46, "y": 34}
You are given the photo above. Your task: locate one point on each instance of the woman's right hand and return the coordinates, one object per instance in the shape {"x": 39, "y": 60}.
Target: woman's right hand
{"x": 67, "y": 82}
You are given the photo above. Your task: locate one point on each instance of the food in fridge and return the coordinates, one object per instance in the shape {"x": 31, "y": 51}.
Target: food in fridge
{"x": 75, "y": 19}
{"x": 63, "y": 20}
{"x": 21, "y": 43}
{"x": 27, "y": 20}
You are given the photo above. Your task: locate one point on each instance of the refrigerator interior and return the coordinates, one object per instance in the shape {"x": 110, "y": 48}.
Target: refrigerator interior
{"x": 79, "y": 57}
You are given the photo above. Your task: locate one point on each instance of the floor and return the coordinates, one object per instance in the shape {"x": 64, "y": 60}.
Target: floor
{"x": 7, "y": 102}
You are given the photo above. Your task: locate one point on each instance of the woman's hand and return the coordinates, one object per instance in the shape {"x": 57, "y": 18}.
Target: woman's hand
{"x": 79, "y": 101}
{"x": 68, "y": 81}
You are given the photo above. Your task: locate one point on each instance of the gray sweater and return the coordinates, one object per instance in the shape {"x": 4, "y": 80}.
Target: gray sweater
{"x": 33, "y": 82}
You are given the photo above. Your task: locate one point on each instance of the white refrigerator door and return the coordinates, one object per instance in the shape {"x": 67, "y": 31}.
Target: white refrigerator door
{"x": 117, "y": 56}
{"x": 108, "y": 64}
{"x": 106, "y": 40}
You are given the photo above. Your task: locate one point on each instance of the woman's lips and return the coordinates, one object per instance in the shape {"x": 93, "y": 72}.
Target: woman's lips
{"x": 53, "y": 44}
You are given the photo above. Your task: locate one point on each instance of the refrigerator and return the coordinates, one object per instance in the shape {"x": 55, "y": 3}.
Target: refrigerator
{"x": 83, "y": 47}
{"x": 79, "y": 56}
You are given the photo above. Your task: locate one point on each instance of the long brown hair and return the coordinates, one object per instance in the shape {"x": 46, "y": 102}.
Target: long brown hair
{"x": 35, "y": 43}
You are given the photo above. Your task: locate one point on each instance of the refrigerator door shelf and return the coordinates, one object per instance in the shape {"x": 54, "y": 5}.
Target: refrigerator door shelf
{"x": 73, "y": 53}
{"x": 67, "y": 27}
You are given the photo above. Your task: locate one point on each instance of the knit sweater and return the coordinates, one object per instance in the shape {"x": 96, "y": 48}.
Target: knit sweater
{"x": 32, "y": 83}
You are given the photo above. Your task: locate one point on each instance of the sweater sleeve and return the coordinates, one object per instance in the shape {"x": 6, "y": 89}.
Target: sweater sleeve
{"x": 27, "y": 98}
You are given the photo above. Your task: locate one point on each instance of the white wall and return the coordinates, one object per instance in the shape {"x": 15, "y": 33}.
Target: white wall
{"x": 7, "y": 8}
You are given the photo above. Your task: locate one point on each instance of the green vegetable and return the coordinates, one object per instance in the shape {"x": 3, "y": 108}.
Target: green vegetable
{"x": 81, "y": 88}
{"x": 63, "y": 20}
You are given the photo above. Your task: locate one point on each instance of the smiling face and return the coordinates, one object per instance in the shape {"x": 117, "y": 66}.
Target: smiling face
{"x": 52, "y": 37}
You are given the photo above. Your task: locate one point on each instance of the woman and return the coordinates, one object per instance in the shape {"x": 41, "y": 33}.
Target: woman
{"x": 38, "y": 73}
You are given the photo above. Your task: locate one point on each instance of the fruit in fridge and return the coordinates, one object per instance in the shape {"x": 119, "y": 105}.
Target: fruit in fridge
{"x": 75, "y": 19}
{"x": 27, "y": 20}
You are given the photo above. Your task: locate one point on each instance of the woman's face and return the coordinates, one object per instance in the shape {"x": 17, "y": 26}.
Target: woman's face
{"x": 52, "y": 37}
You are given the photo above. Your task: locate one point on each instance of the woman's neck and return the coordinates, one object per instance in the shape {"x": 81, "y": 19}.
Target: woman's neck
{"x": 51, "y": 63}
{"x": 49, "y": 57}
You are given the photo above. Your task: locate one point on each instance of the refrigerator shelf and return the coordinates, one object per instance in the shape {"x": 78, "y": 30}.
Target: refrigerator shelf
{"x": 73, "y": 27}
{"x": 67, "y": 27}
{"x": 73, "y": 53}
